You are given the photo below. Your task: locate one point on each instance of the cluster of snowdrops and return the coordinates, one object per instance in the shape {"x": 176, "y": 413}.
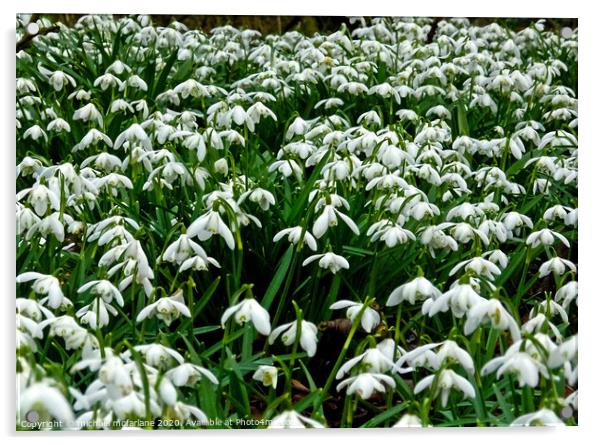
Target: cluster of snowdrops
{"x": 373, "y": 227}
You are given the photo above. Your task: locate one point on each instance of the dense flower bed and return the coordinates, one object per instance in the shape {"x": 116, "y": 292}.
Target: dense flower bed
{"x": 376, "y": 227}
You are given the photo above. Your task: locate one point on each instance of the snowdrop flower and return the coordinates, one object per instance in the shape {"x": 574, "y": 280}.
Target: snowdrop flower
{"x": 424, "y": 356}
{"x": 45, "y": 285}
{"x": 51, "y": 225}
{"x": 209, "y": 224}
{"x": 292, "y": 419}
{"x": 370, "y": 318}
{"x": 460, "y": 298}
{"x": 135, "y": 134}
{"x": 260, "y": 196}
{"x": 479, "y": 266}
{"x": 88, "y": 113}
{"x": 188, "y": 374}
{"x": 545, "y": 237}
{"x": 96, "y": 314}
{"x": 556, "y": 265}
{"x": 184, "y": 249}
{"x": 374, "y": 360}
{"x": 267, "y": 375}
{"x": 308, "y": 338}
{"x": 516, "y": 362}
{"x": 328, "y": 218}
{"x": 47, "y": 399}
{"x": 157, "y": 356}
{"x": 512, "y": 220}
{"x": 221, "y": 166}
{"x": 493, "y": 311}
{"x": 329, "y": 261}
{"x": 249, "y": 310}
{"x": 446, "y": 381}
{"x": 58, "y": 125}
{"x": 166, "y": 309}
{"x": 543, "y": 417}
{"x": 35, "y": 132}
{"x": 417, "y": 289}
{"x": 567, "y": 293}
{"x": 293, "y": 235}
{"x": 365, "y": 384}
{"x": 408, "y": 421}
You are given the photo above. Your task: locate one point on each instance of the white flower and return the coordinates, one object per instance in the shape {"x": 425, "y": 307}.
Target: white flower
{"x": 479, "y": 266}
{"x": 329, "y": 261}
{"x": 308, "y": 339}
{"x": 260, "y": 196}
{"x": 188, "y": 374}
{"x": 181, "y": 250}
{"x": 545, "y": 237}
{"x": 365, "y": 384}
{"x": 543, "y": 417}
{"x": 556, "y": 265}
{"x": 157, "y": 355}
{"x": 370, "y": 318}
{"x": 249, "y": 310}
{"x": 35, "y": 132}
{"x": 43, "y": 397}
{"x": 292, "y": 419}
{"x": 567, "y": 293}
{"x": 41, "y": 198}
{"x": 408, "y": 421}
{"x": 45, "y": 285}
{"x": 460, "y": 298}
{"x": 267, "y": 375}
{"x": 209, "y": 224}
{"x": 514, "y": 361}
{"x": 88, "y": 113}
{"x": 293, "y": 235}
{"x": 417, "y": 289}
{"x": 446, "y": 381}
{"x": 103, "y": 289}
{"x": 135, "y": 134}
{"x": 328, "y": 218}
{"x": 424, "y": 356}
{"x": 166, "y": 308}
{"x": 493, "y": 311}
{"x": 375, "y": 360}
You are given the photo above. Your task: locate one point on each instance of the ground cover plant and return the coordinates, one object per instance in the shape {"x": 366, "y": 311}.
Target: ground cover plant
{"x": 370, "y": 228}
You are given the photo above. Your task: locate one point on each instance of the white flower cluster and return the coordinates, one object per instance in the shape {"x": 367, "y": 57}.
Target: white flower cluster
{"x": 181, "y": 193}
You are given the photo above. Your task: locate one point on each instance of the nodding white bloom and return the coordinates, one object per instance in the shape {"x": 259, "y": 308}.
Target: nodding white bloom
{"x": 460, "y": 298}
{"x": 107, "y": 81}
{"x": 92, "y": 137}
{"x": 543, "y": 417}
{"x": 287, "y": 167}
{"x": 249, "y": 310}
{"x": 445, "y": 382}
{"x": 424, "y": 356}
{"x": 209, "y": 224}
{"x": 47, "y": 399}
{"x": 157, "y": 356}
{"x": 51, "y": 225}
{"x": 297, "y": 127}
{"x": 260, "y": 196}
{"x": 494, "y": 312}
{"x": 293, "y": 235}
{"x": 513, "y": 220}
{"x": 292, "y": 419}
{"x": 308, "y": 338}
{"x": 58, "y": 79}
{"x": 498, "y": 257}
{"x": 329, "y": 261}
{"x": 370, "y": 318}
{"x": 565, "y": 352}
{"x": 267, "y": 375}
{"x": 537, "y": 324}
{"x": 464, "y": 233}
{"x": 58, "y": 125}
{"x": 479, "y": 266}
{"x": 567, "y": 294}
{"x": 391, "y": 234}
{"x": 166, "y": 308}
{"x": 41, "y": 198}
{"x": 221, "y": 166}
{"x": 103, "y": 289}
{"x": 545, "y": 237}
{"x": 35, "y": 132}
{"x": 365, "y": 384}
{"x": 45, "y": 285}
{"x": 514, "y": 361}
{"x": 135, "y": 134}
{"x": 187, "y": 253}
{"x": 88, "y": 113}
{"x": 556, "y": 265}
{"x": 188, "y": 374}
{"x": 96, "y": 314}
{"x": 374, "y": 360}
{"x": 328, "y": 218}
{"x": 408, "y": 421}
{"x": 417, "y": 289}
